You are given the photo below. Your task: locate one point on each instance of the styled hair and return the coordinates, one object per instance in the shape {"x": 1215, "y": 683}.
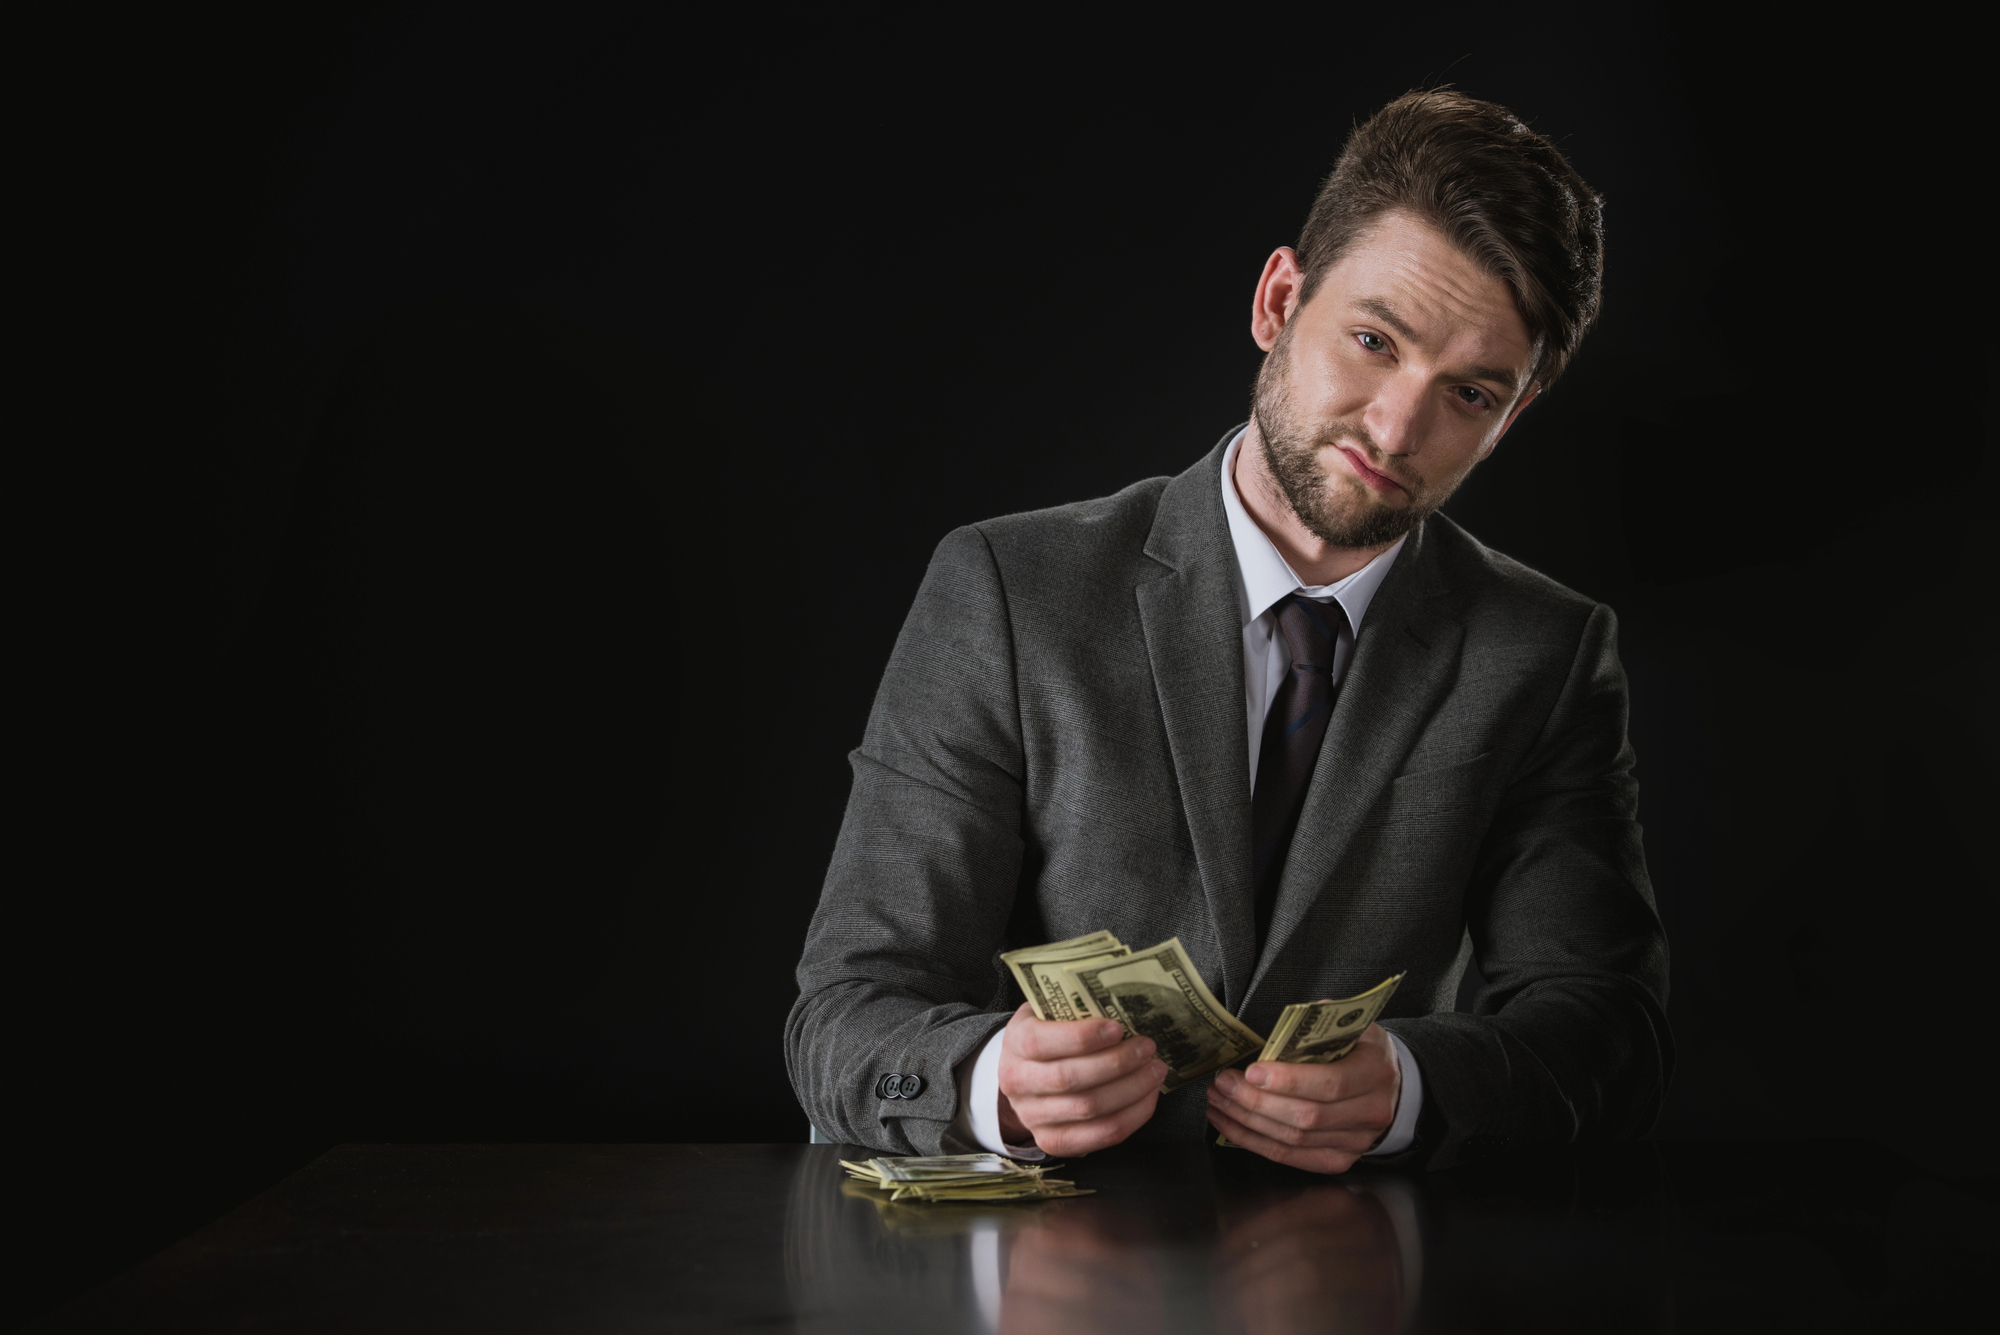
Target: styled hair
{"x": 1498, "y": 191}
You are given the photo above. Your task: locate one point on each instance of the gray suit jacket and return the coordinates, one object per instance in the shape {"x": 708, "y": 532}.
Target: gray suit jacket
{"x": 1058, "y": 746}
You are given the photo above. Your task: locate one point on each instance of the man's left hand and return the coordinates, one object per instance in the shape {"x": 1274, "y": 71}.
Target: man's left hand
{"x": 1319, "y": 1118}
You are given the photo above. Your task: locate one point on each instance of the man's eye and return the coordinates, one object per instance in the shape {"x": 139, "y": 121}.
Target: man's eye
{"x": 1373, "y": 342}
{"x": 1471, "y": 397}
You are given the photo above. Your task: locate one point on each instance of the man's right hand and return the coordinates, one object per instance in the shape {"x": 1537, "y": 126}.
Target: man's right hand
{"x": 1073, "y": 1086}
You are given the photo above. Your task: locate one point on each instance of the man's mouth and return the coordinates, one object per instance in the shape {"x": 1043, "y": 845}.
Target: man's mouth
{"x": 1374, "y": 478}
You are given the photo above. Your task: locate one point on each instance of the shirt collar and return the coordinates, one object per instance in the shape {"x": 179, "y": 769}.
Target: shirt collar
{"x": 1264, "y": 577}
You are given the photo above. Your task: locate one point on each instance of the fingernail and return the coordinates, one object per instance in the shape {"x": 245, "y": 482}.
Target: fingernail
{"x": 1159, "y": 1070}
{"x": 1259, "y": 1076}
{"x": 1146, "y": 1048}
{"x": 1109, "y": 1030}
{"x": 1226, "y": 1082}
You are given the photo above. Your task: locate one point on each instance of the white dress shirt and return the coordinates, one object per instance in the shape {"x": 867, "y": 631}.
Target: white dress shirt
{"x": 1264, "y": 578}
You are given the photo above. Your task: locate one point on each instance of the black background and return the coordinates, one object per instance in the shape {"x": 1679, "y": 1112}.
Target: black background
{"x": 482, "y": 456}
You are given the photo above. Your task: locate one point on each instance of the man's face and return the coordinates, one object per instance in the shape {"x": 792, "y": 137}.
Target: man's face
{"x": 1381, "y": 392}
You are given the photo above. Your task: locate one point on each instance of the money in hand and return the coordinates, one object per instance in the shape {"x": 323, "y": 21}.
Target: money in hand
{"x": 1313, "y": 1032}
{"x": 1153, "y": 992}
{"x": 1158, "y": 993}
{"x": 1038, "y": 969}
{"x": 1325, "y": 1031}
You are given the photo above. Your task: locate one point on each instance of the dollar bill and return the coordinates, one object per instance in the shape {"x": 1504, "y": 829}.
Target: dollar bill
{"x": 918, "y": 1168}
{"x": 959, "y": 1177}
{"x": 1325, "y": 1031}
{"x": 1037, "y": 970}
{"x": 1157, "y": 993}
{"x": 1313, "y": 1032}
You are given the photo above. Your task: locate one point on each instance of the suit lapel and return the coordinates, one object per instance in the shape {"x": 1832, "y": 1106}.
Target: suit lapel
{"x": 1405, "y": 659}
{"x": 1194, "y": 641}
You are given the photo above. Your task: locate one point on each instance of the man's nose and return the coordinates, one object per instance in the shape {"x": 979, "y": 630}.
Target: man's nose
{"x": 1395, "y": 419}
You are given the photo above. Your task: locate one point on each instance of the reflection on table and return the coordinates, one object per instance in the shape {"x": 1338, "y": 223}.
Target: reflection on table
{"x": 1707, "y": 1237}
{"x": 1313, "y": 1255}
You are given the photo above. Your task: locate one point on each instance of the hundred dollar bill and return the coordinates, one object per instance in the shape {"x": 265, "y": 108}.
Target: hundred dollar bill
{"x": 918, "y": 1168}
{"x": 1325, "y": 1031}
{"x": 1158, "y": 993}
{"x": 1037, "y": 970}
{"x": 1313, "y": 1032}
{"x": 959, "y": 1177}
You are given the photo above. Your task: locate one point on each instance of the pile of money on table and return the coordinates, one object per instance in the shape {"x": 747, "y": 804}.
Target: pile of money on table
{"x": 961, "y": 1177}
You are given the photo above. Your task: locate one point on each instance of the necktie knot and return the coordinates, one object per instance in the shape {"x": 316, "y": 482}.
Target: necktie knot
{"x": 1311, "y": 631}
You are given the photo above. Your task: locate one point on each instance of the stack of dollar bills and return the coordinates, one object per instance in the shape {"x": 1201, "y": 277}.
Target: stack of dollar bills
{"x": 961, "y": 1177}
{"x": 1152, "y": 992}
{"x": 1158, "y": 993}
{"x": 1312, "y": 1032}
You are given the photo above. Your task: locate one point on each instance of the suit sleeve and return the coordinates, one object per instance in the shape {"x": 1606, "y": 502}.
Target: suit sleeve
{"x": 899, "y": 973}
{"x": 1568, "y": 1039}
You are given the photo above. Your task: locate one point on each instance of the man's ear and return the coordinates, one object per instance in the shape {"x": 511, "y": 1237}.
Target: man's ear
{"x": 1534, "y": 392}
{"x": 1277, "y": 296}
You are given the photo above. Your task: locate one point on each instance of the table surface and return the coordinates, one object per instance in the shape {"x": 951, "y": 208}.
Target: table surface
{"x": 1694, "y": 1236}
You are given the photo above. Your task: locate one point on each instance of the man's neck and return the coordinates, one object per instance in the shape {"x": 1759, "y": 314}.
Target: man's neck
{"x": 1312, "y": 559}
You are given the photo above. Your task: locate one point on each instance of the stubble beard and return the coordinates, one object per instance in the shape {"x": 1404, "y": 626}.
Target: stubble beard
{"x": 1339, "y": 511}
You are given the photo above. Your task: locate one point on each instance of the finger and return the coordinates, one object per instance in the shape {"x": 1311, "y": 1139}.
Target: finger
{"x": 1073, "y": 1074}
{"x": 1072, "y": 1139}
{"x": 1050, "y": 1040}
{"x": 1351, "y": 1122}
{"x": 1323, "y": 1083}
{"x": 1083, "y": 1105}
{"x": 1372, "y": 1109}
{"x": 1311, "y": 1159}
{"x": 1313, "y": 1098}
{"x": 1356, "y": 1139}
{"x": 1372, "y": 1062}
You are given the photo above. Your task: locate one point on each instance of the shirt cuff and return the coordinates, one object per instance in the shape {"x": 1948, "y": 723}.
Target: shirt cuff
{"x": 983, "y": 1100}
{"x": 1402, "y": 1131}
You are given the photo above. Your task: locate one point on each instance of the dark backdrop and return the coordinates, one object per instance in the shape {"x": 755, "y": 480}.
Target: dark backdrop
{"x": 491, "y": 449}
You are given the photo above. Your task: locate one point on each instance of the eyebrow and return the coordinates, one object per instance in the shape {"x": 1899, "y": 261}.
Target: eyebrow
{"x": 1386, "y": 313}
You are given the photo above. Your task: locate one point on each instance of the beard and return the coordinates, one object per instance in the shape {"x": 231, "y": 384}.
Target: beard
{"x": 1341, "y": 511}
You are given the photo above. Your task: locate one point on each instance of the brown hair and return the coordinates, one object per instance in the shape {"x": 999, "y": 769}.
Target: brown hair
{"x": 1497, "y": 190}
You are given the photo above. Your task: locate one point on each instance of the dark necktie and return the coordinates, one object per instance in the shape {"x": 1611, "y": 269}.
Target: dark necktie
{"x": 1293, "y": 729}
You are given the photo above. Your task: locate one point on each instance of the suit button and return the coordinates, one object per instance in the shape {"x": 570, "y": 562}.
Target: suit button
{"x": 912, "y": 1085}
{"x": 889, "y": 1086}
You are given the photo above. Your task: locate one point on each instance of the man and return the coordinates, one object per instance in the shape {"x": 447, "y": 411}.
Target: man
{"x": 1281, "y": 709}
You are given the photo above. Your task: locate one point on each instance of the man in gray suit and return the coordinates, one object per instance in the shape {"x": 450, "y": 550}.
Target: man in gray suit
{"x": 1279, "y": 708}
